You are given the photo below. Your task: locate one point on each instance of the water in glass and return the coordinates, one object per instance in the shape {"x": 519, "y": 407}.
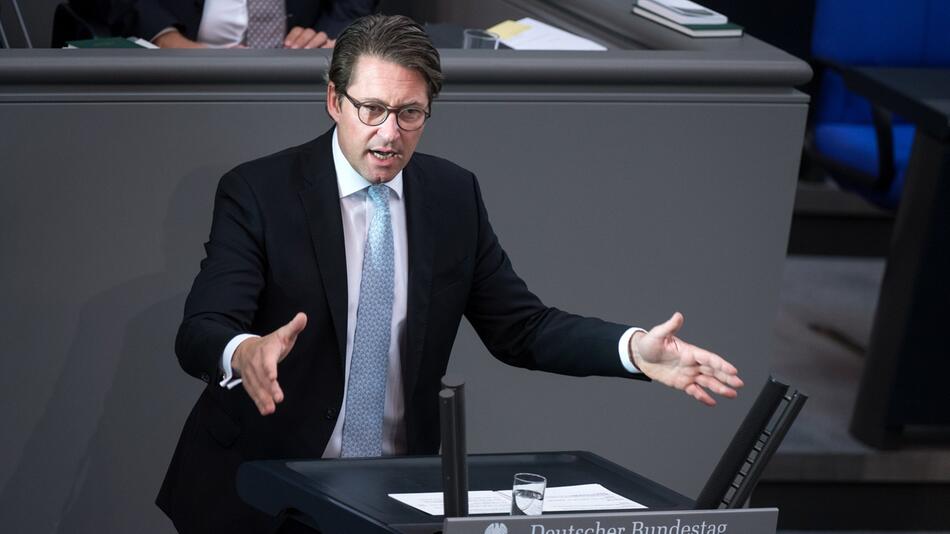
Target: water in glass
{"x": 526, "y": 502}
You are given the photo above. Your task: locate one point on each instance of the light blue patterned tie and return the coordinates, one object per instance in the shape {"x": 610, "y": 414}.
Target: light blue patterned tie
{"x": 366, "y": 391}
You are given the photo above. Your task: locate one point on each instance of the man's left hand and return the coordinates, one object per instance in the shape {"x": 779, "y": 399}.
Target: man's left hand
{"x": 669, "y": 360}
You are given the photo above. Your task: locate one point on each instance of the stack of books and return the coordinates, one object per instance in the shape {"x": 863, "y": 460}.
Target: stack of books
{"x": 687, "y": 17}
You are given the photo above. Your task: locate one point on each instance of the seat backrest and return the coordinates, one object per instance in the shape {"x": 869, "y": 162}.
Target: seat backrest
{"x": 756, "y": 440}
{"x": 874, "y": 33}
{"x": 3, "y": 32}
{"x": 15, "y": 34}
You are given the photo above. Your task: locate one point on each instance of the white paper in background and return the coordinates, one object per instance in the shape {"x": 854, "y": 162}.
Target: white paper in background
{"x": 479, "y": 502}
{"x": 541, "y": 36}
{"x": 583, "y": 498}
{"x": 580, "y": 498}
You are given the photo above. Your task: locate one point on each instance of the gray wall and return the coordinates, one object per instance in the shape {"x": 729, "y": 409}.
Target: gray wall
{"x": 624, "y": 200}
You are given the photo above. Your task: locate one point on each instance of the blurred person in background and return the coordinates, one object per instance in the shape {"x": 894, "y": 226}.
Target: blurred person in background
{"x": 237, "y": 23}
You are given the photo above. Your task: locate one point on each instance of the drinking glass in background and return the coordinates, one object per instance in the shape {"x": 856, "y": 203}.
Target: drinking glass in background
{"x": 527, "y": 494}
{"x": 474, "y": 38}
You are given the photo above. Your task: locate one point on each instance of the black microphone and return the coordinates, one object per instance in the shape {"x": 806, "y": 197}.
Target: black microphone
{"x": 454, "y": 459}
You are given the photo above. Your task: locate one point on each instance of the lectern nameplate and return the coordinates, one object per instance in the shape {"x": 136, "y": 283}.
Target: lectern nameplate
{"x": 736, "y": 521}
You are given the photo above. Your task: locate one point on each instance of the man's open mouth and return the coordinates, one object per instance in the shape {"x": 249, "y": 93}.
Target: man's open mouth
{"x": 382, "y": 154}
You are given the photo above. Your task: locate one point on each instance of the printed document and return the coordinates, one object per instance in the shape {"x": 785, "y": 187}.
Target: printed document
{"x": 580, "y": 498}
{"x": 531, "y": 34}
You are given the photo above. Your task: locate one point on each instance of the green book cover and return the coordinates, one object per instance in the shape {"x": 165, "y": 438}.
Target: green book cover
{"x": 104, "y": 42}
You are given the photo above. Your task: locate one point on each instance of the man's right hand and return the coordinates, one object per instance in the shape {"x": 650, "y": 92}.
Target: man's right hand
{"x": 299, "y": 37}
{"x": 256, "y": 360}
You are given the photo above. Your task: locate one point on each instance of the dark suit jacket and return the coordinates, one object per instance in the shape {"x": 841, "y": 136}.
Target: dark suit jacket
{"x": 148, "y": 17}
{"x": 276, "y": 248}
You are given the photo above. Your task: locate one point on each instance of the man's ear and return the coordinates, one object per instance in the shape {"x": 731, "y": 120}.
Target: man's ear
{"x": 333, "y": 102}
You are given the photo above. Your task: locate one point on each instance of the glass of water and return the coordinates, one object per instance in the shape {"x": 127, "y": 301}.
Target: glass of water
{"x": 527, "y": 494}
{"x": 474, "y": 38}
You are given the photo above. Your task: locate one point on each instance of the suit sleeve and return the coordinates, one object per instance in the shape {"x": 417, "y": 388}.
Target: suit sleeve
{"x": 340, "y": 13}
{"x": 148, "y": 17}
{"x": 519, "y": 330}
{"x": 224, "y": 298}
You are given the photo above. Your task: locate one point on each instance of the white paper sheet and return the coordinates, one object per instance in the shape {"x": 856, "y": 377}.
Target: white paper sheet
{"x": 531, "y": 34}
{"x": 583, "y": 498}
{"x": 580, "y": 498}
{"x": 479, "y": 502}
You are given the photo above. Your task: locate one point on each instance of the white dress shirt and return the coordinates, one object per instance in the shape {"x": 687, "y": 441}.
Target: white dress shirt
{"x": 223, "y": 24}
{"x": 357, "y": 211}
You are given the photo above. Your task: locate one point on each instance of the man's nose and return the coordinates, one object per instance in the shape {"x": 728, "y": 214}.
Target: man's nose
{"x": 389, "y": 129}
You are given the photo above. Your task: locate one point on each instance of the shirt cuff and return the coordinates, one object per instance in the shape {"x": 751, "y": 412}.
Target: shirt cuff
{"x": 163, "y": 32}
{"x": 623, "y": 347}
{"x": 230, "y": 380}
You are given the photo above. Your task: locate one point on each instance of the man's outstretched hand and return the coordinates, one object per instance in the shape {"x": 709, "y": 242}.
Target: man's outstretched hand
{"x": 256, "y": 360}
{"x": 669, "y": 360}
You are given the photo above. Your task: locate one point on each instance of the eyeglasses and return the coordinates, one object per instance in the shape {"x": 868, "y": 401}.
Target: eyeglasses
{"x": 408, "y": 118}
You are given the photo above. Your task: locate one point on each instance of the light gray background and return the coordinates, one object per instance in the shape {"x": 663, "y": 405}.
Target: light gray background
{"x": 624, "y": 202}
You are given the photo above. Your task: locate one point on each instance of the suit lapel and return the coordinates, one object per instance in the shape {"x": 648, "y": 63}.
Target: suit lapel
{"x": 321, "y": 202}
{"x": 419, "y": 228}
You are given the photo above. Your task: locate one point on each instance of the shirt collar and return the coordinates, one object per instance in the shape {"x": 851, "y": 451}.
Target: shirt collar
{"x": 349, "y": 181}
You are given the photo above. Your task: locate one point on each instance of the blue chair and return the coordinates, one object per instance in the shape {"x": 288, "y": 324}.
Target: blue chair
{"x": 863, "y": 147}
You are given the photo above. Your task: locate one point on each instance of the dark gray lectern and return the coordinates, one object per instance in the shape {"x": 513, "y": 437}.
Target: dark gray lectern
{"x": 345, "y": 496}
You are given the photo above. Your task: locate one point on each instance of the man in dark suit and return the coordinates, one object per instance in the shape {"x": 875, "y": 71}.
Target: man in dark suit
{"x": 336, "y": 275}
{"x": 176, "y": 23}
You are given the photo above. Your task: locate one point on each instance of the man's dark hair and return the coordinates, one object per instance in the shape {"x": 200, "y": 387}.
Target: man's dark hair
{"x": 397, "y": 39}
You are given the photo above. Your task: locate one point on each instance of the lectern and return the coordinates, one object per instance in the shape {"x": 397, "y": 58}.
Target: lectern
{"x": 349, "y": 496}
